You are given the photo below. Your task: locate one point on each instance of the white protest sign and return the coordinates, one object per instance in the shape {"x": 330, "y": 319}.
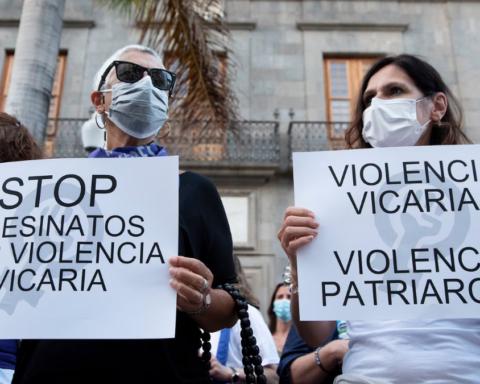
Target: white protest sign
{"x": 399, "y": 234}
{"x": 84, "y": 248}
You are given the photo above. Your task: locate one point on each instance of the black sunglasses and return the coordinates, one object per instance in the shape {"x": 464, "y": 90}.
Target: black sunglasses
{"x": 131, "y": 73}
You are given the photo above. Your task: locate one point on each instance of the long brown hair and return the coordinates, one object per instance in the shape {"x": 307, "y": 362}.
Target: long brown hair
{"x": 429, "y": 81}
{"x": 272, "y": 323}
{"x": 243, "y": 284}
{"x": 16, "y": 143}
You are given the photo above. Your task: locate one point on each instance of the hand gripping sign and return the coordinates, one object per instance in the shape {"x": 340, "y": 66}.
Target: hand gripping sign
{"x": 84, "y": 248}
{"x": 398, "y": 236}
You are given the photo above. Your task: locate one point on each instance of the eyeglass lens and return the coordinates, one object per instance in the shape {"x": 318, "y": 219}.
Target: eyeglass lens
{"x": 161, "y": 79}
{"x": 131, "y": 73}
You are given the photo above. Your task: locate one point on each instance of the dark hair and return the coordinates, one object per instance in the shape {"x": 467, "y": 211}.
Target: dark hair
{"x": 16, "y": 143}
{"x": 429, "y": 81}
{"x": 272, "y": 324}
{"x": 243, "y": 284}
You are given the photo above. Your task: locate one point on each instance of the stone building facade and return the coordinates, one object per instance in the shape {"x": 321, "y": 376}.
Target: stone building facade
{"x": 298, "y": 65}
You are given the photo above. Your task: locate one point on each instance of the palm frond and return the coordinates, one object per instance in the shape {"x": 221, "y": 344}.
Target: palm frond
{"x": 194, "y": 38}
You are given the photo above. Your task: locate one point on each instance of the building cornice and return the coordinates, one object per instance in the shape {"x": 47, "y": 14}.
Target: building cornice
{"x": 370, "y": 27}
{"x": 14, "y": 23}
{"x": 241, "y": 25}
{"x": 232, "y": 25}
{"x": 376, "y": 1}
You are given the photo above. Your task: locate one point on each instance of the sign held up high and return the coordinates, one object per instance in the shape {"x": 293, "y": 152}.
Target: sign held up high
{"x": 84, "y": 248}
{"x": 398, "y": 235}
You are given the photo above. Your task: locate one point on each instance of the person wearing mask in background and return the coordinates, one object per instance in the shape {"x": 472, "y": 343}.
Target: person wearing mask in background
{"x": 300, "y": 363}
{"x": 402, "y": 101}
{"x": 279, "y": 315}
{"x": 226, "y": 345}
{"x": 131, "y": 92}
{"x": 16, "y": 144}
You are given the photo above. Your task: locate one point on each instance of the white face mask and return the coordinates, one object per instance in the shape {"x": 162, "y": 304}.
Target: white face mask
{"x": 138, "y": 109}
{"x": 392, "y": 123}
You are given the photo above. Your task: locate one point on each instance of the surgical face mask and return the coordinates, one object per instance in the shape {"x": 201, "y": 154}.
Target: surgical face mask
{"x": 138, "y": 109}
{"x": 282, "y": 310}
{"x": 392, "y": 123}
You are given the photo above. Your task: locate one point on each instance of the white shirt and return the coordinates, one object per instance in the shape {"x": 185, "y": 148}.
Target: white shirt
{"x": 265, "y": 342}
{"x": 6, "y": 375}
{"x": 415, "y": 351}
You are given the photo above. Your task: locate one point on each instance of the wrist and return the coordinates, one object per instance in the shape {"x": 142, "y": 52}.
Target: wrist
{"x": 327, "y": 358}
{"x": 293, "y": 264}
{"x": 337, "y": 351}
{"x": 294, "y": 276}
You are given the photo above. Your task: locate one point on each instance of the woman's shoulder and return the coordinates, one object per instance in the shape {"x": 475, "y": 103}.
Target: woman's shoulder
{"x": 197, "y": 178}
{"x": 191, "y": 182}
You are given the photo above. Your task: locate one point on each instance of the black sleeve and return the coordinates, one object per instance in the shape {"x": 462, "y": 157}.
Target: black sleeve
{"x": 206, "y": 226}
{"x": 294, "y": 348}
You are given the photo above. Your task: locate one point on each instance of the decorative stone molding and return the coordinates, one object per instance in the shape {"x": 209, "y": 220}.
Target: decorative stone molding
{"x": 232, "y": 25}
{"x": 227, "y": 175}
{"x": 14, "y": 23}
{"x": 241, "y": 25}
{"x": 399, "y": 1}
{"x": 370, "y": 27}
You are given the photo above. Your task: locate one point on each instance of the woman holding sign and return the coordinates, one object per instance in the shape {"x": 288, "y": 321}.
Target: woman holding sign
{"x": 403, "y": 101}
{"x": 132, "y": 90}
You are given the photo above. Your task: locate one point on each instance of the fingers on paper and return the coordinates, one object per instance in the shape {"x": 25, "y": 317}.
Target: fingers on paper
{"x": 295, "y": 245}
{"x": 188, "y": 277}
{"x": 194, "y": 265}
{"x": 186, "y": 292}
{"x": 296, "y": 221}
{"x": 297, "y": 211}
{"x": 184, "y": 305}
{"x": 293, "y": 233}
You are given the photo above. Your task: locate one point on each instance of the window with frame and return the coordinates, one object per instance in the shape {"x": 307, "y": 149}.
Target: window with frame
{"x": 54, "y": 111}
{"x": 55, "y": 100}
{"x": 7, "y": 74}
{"x": 239, "y": 205}
{"x": 343, "y": 78}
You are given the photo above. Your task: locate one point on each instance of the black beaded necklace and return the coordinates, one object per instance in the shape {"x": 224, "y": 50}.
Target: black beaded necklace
{"x": 250, "y": 350}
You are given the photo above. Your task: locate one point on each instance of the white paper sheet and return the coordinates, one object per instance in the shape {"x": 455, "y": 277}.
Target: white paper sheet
{"x": 390, "y": 260}
{"x": 130, "y": 296}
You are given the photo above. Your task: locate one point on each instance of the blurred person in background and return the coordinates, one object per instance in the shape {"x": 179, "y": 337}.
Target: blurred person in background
{"x": 16, "y": 144}
{"x": 226, "y": 344}
{"x": 279, "y": 315}
{"x": 302, "y": 364}
{"x": 8, "y": 359}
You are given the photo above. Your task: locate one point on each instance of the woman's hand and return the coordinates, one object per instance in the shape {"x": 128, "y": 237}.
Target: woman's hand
{"x": 189, "y": 277}
{"x": 219, "y": 372}
{"x": 298, "y": 229}
{"x": 332, "y": 354}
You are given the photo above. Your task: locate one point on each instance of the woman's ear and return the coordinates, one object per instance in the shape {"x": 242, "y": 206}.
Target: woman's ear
{"x": 440, "y": 105}
{"x": 97, "y": 102}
